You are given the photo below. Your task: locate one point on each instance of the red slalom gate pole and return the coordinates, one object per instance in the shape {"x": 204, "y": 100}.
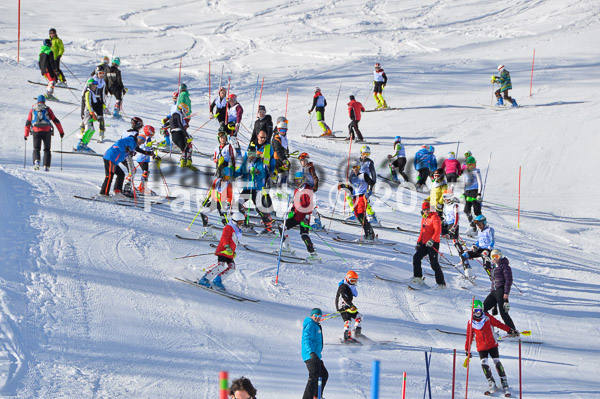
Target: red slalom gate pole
{"x": 531, "y": 83}
{"x": 519, "y": 202}
{"x": 260, "y": 96}
{"x": 404, "y": 385}
{"x": 179, "y": 82}
{"x": 453, "y": 372}
{"x": 223, "y": 385}
{"x": 287, "y": 96}
{"x": 470, "y": 340}
{"x": 209, "y": 87}
{"x": 19, "y": 32}
{"x": 520, "y": 381}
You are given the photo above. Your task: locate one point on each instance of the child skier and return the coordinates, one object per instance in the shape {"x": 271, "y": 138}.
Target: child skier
{"x": 299, "y": 215}
{"x": 379, "y": 82}
{"x": 319, "y": 103}
{"x": 484, "y": 245}
{"x": 114, "y": 85}
{"x": 344, "y": 304}
{"x": 143, "y": 160}
{"x": 234, "y": 113}
{"x": 225, "y": 252}
{"x": 424, "y": 163}
{"x": 180, "y": 136}
{"x": 39, "y": 124}
{"x": 398, "y": 165}
{"x": 438, "y": 187}
{"x": 219, "y": 105}
{"x": 480, "y": 329}
{"x": 90, "y": 114}
{"x": 47, "y": 66}
{"x": 505, "y": 85}
{"x": 473, "y": 185}
{"x": 224, "y": 154}
{"x": 281, "y": 153}
{"x": 451, "y": 167}
{"x": 450, "y": 227}
{"x": 184, "y": 98}
{"x": 368, "y": 167}
{"x": 358, "y": 187}
{"x": 220, "y": 196}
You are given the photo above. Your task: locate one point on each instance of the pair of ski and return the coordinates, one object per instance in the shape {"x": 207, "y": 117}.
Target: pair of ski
{"x": 92, "y": 153}
{"x": 230, "y": 295}
{"x": 363, "y": 242}
{"x": 375, "y": 226}
{"x": 284, "y": 257}
{"x": 414, "y": 287}
{"x": 140, "y": 203}
{"x": 383, "y": 109}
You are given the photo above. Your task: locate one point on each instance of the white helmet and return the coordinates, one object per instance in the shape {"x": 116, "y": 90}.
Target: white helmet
{"x": 500, "y": 68}
{"x": 317, "y": 89}
{"x": 365, "y": 149}
{"x": 356, "y": 164}
{"x": 282, "y": 125}
{"x": 238, "y": 217}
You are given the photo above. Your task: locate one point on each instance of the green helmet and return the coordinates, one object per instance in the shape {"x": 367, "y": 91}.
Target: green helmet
{"x": 90, "y": 82}
{"x": 477, "y": 304}
{"x": 477, "y": 309}
{"x": 116, "y": 61}
{"x": 470, "y": 160}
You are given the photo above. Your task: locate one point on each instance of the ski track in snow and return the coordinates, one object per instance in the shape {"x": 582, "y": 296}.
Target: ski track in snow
{"x": 88, "y": 303}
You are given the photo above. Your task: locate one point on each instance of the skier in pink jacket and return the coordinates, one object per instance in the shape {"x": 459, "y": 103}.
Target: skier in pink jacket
{"x": 451, "y": 168}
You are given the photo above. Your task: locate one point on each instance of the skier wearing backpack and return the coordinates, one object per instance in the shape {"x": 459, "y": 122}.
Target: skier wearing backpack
{"x": 397, "y": 166}
{"x": 505, "y": 85}
{"x": 39, "y": 125}
{"x": 344, "y": 304}
{"x": 480, "y": 330}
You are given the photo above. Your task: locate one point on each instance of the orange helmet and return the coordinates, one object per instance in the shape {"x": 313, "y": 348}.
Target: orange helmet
{"x": 351, "y": 277}
{"x": 304, "y": 155}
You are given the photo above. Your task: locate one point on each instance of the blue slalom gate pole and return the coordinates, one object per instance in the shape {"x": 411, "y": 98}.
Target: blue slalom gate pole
{"x": 320, "y": 386}
{"x": 427, "y": 380}
{"x": 375, "y": 380}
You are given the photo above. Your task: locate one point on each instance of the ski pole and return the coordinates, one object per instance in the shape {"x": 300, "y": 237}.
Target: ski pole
{"x": 25, "y": 156}
{"x": 454, "y": 266}
{"x": 62, "y": 62}
{"x": 470, "y": 343}
{"x": 335, "y": 109}
{"x": 61, "y": 152}
{"x": 330, "y": 247}
{"x": 193, "y": 256}
{"x": 255, "y": 91}
{"x": 164, "y": 180}
{"x": 309, "y": 121}
{"x": 333, "y": 210}
{"x": 204, "y": 124}
{"x": 282, "y": 237}
{"x": 486, "y": 175}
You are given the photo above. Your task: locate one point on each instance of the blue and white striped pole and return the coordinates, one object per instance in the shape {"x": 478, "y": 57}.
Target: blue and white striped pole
{"x": 375, "y": 380}
{"x": 320, "y": 387}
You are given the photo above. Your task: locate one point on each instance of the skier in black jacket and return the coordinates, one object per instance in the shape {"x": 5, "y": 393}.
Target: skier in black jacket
{"x": 114, "y": 85}
{"x": 343, "y": 303}
{"x": 263, "y": 123}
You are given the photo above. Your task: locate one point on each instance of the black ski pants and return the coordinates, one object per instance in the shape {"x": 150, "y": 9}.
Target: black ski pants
{"x": 471, "y": 202}
{"x": 111, "y": 169}
{"x": 353, "y": 129}
{"x": 179, "y": 137}
{"x": 290, "y": 224}
{"x": 452, "y": 177}
{"x": 423, "y": 175}
{"x": 487, "y": 264}
{"x": 38, "y": 138}
{"x": 506, "y": 96}
{"x": 496, "y": 297}
{"x": 316, "y": 369}
{"x": 432, "y": 252}
{"x": 400, "y": 163}
{"x": 263, "y": 203}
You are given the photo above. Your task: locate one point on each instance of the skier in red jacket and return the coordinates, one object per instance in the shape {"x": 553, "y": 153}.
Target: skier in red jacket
{"x": 481, "y": 329}
{"x": 428, "y": 244}
{"x": 354, "y": 109}
{"x": 225, "y": 254}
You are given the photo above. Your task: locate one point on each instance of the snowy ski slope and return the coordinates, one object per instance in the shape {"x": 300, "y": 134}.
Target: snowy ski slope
{"x": 88, "y": 302}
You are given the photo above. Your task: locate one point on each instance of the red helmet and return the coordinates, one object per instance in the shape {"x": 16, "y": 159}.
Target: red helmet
{"x": 148, "y": 131}
{"x": 304, "y": 155}
{"x": 377, "y": 65}
{"x": 351, "y": 277}
{"x": 232, "y": 97}
{"x": 175, "y": 95}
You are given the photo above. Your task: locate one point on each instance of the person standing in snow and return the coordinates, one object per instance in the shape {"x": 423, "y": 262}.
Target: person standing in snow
{"x": 263, "y": 123}
{"x": 397, "y": 166}
{"x": 184, "y": 98}
{"x": 379, "y": 82}
{"x": 234, "y": 113}
{"x": 58, "y": 49}
{"x": 501, "y": 283}
{"x": 344, "y": 304}
{"x": 180, "y": 136}
{"x": 39, "y": 125}
{"x": 436, "y": 194}
{"x": 357, "y": 189}
{"x": 473, "y": 185}
{"x": 505, "y": 85}
{"x": 143, "y": 160}
{"x": 91, "y": 108}
{"x": 219, "y": 196}
{"x": 114, "y": 85}
{"x": 319, "y": 104}
{"x": 219, "y": 105}
{"x": 484, "y": 245}
{"x": 354, "y": 109}
{"x": 425, "y": 163}
{"x": 225, "y": 252}
{"x": 47, "y": 66}
{"x": 451, "y": 167}
{"x": 480, "y": 330}
{"x": 312, "y": 346}
{"x": 224, "y": 154}
{"x": 428, "y": 243}
{"x": 281, "y": 153}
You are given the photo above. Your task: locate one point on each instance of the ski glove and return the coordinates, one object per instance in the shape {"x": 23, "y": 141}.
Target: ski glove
{"x": 479, "y": 198}
{"x": 469, "y": 355}
{"x": 25, "y": 138}
{"x": 506, "y": 306}
{"x": 430, "y": 243}
{"x": 452, "y": 230}
{"x": 227, "y": 252}
{"x": 353, "y": 310}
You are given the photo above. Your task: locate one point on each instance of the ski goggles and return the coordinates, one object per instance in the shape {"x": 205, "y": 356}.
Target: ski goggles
{"x": 352, "y": 281}
{"x": 496, "y": 256}
{"x": 477, "y": 312}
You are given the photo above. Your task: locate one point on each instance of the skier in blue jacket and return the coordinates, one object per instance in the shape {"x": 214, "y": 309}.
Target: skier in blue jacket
{"x": 312, "y": 346}
{"x": 425, "y": 163}
{"x": 117, "y": 153}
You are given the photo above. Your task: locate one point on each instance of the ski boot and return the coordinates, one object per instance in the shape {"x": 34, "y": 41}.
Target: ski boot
{"x": 208, "y": 233}
{"x": 395, "y": 179}
{"x": 358, "y": 331}
{"x": 188, "y": 163}
{"x": 101, "y": 138}
{"x": 351, "y": 218}
{"x": 204, "y": 282}
{"x": 440, "y": 287}
{"x": 347, "y": 335}
{"x": 313, "y": 257}
{"x": 492, "y": 389}
{"x": 500, "y": 102}
{"x": 118, "y": 195}
{"x": 218, "y": 284}
{"x": 373, "y": 219}
{"x": 36, "y": 165}
{"x": 46, "y": 168}
{"x": 469, "y": 272}
{"x": 327, "y": 133}
{"x": 182, "y": 162}
{"x": 417, "y": 280}
{"x": 514, "y": 103}
{"x": 116, "y": 114}
{"x": 317, "y": 225}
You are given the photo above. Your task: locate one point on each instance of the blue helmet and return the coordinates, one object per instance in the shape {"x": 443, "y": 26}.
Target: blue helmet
{"x": 299, "y": 175}
{"x": 397, "y": 139}
{"x": 41, "y": 99}
{"x": 480, "y": 219}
